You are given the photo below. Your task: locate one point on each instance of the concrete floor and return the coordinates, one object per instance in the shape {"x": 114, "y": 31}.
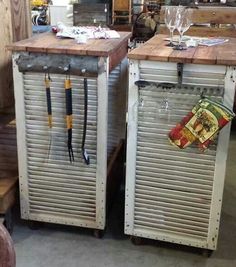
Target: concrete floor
{"x": 57, "y": 246}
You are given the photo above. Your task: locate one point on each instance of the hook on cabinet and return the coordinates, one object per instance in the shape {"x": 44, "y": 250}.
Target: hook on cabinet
{"x": 180, "y": 68}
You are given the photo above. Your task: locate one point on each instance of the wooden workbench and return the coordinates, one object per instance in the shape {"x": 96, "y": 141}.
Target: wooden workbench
{"x": 156, "y": 50}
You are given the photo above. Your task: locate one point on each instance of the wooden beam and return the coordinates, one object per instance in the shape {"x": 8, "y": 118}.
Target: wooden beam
{"x": 16, "y": 25}
{"x": 6, "y": 89}
{"x": 21, "y": 19}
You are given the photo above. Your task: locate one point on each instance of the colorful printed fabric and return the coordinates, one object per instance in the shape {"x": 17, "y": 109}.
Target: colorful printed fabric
{"x": 202, "y": 124}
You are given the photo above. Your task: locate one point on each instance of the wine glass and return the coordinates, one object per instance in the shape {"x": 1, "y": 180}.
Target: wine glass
{"x": 170, "y": 21}
{"x": 164, "y": 107}
{"x": 183, "y": 23}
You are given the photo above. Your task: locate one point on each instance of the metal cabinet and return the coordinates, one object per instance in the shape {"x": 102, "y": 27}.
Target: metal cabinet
{"x": 174, "y": 195}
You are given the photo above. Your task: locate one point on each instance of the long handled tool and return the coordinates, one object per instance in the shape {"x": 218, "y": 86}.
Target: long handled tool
{"x": 49, "y": 102}
{"x": 84, "y": 152}
{"x": 47, "y": 81}
{"x": 69, "y": 118}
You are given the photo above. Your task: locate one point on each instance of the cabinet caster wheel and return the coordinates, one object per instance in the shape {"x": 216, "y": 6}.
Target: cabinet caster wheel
{"x": 8, "y": 221}
{"x": 98, "y": 233}
{"x": 136, "y": 240}
{"x": 207, "y": 253}
{"x": 33, "y": 225}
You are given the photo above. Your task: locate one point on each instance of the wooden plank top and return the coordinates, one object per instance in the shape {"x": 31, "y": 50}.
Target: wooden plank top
{"x": 49, "y": 43}
{"x": 156, "y": 50}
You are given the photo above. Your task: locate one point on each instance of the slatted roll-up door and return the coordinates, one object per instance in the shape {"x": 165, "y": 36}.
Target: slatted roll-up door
{"x": 113, "y": 98}
{"x": 60, "y": 191}
{"x": 116, "y": 107}
{"x": 173, "y": 188}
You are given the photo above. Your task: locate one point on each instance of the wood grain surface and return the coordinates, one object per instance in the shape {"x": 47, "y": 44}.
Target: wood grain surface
{"x": 8, "y": 188}
{"x": 226, "y": 53}
{"x": 121, "y": 5}
{"x": 21, "y": 19}
{"x": 6, "y": 185}
{"x": 203, "y": 16}
{"x": 156, "y": 49}
{"x": 8, "y": 147}
{"x": 217, "y": 15}
{"x": 48, "y": 42}
{"x": 8, "y": 162}
{"x": 6, "y": 84}
{"x": 16, "y": 25}
{"x": 205, "y": 31}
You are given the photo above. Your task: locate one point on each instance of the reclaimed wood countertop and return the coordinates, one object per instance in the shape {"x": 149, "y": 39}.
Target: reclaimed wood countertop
{"x": 115, "y": 49}
{"x": 155, "y": 49}
{"x": 49, "y": 43}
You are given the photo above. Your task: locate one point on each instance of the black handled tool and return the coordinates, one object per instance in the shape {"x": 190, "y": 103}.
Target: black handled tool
{"x": 84, "y": 152}
{"x": 47, "y": 82}
{"x": 49, "y": 102}
{"x": 69, "y": 116}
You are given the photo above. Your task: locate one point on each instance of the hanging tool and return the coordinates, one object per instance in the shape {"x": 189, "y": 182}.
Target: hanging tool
{"x": 69, "y": 114}
{"x": 48, "y": 96}
{"x": 47, "y": 82}
{"x": 84, "y": 152}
